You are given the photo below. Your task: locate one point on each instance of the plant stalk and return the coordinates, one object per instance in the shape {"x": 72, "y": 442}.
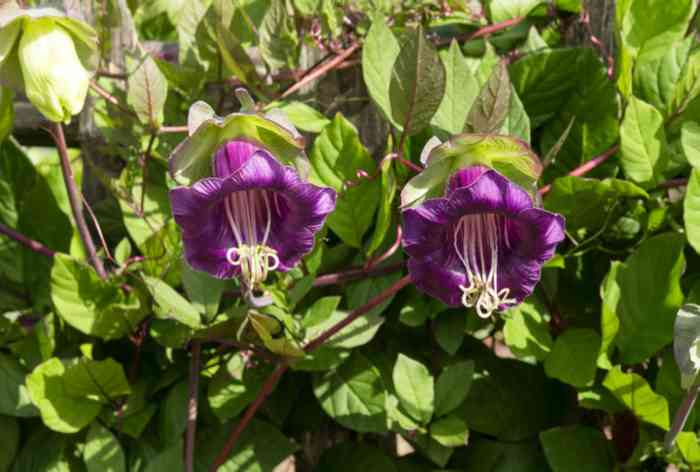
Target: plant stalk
{"x": 75, "y": 201}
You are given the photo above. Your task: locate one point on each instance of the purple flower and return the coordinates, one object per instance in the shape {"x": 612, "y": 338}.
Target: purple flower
{"x": 253, "y": 216}
{"x": 482, "y": 245}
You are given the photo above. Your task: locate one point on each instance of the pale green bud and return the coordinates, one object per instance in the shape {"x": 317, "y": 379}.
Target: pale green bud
{"x": 55, "y": 80}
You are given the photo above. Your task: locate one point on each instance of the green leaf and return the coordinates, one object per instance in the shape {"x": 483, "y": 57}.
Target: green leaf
{"x": 526, "y": 332}
{"x": 89, "y": 304}
{"x": 586, "y": 203}
{"x": 643, "y": 143}
{"x": 234, "y": 386}
{"x": 690, "y": 142}
{"x": 336, "y": 157}
{"x": 417, "y": 83}
{"x": 647, "y": 37}
{"x": 7, "y": 112}
{"x": 59, "y": 410}
{"x": 168, "y": 459}
{"x": 634, "y": 392}
{"x": 691, "y": 210}
{"x": 9, "y": 438}
{"x": 147, "y": 90}
{"x": 450, "y": 431}
{"x": 53, "y": 456}
{"x": 516, "y": 122}
{"x": 501, "y": 10}
{"x": 559, "y": 85}
{"x": 14, "y": 397}
{"x": 452, "y": 386}
{"x": 361, "y": 292}
{"x": 581, "y": 445}
{"x": 489, "y": 110}
{"x": 690, "y": 448}
{"x": 359, "y": 332}
{"x": 203, "y": 290}
{"x": 353, "y": 395}
{"x": 260, "y": 448}
{"x": 573, "y": 357}
{"x": 609, "y": 321}
{"x": 687, "y": 87}
{"x": 379, "y": 53}
{"x": 461, "y": 88}
{"x": 511, "y": 401}
{"x": 102, "y": 452}
{"x": 352, "y": 457}
{"x": 686, "y": 340}
{"x": 415, "y": 388}
{"x": 509, "y": 156}
{"x": 235, "y": 57}
{"x": 172, "y": 417}
{"x": 386, "y": 206}
{"x": 449, "y": 330}
{"x": 433, "y": 450}
{"x": 173, "y": 305}
{"x": 99, "y": 381}
{"x": 494, "y": 456}
{"x": 650, "y": 294}
{"x": 278, "y": 37}
{"x": 302, "y": 116}
{"x": 655, "y": 80}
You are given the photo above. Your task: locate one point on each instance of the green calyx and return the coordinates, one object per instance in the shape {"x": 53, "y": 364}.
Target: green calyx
{"x": 508, "y": 155}
{"x": 192, "y": 159}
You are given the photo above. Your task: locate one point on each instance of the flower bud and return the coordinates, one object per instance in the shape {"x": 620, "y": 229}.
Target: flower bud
{"x": 55, "y": 80}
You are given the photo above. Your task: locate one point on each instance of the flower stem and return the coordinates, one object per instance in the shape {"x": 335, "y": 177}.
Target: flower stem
{"x": 587, "y": 166}
{"x": 681, "y": 416}
{"x": 35, "y": 246}
{"x": 192, "y": 407}
{"x": 282, "y": 367}
{"x": 75, "y": 202}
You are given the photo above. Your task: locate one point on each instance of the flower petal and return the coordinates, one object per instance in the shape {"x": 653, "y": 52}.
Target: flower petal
{"x": 465, "y": 177}
{"x": 535, "y": 234}
{"x": 437, "y": 280}
{"x": 425, "y": 227}
{"x": 232, "y": 155}
{"x": 490, "y": 192}
{"x": 298, "y": 211}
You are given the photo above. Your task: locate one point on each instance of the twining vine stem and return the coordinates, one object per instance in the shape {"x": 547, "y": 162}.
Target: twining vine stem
{"x": 35, "y": 246}
{"x": 587, "y": 166}
{"x": 282, "y": 367}
{"x": 75, "y": 201}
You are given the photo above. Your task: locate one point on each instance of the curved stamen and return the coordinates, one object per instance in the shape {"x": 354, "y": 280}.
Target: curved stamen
{"x": 481, "y": 237}
{"x": 254, "y": 257}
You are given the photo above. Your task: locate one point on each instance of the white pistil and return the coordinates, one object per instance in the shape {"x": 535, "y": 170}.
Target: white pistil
{"x": 477, "y": 239}
{"x": 255, "y": 258}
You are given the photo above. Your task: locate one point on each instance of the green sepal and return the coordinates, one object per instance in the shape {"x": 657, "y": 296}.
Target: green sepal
{"x": 192, "y": 158}
{"x": 510, "y": 156}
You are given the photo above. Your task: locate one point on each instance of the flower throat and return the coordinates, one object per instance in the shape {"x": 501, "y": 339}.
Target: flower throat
{"x": 477, "y": 239}
{"x": 249, "y": 214}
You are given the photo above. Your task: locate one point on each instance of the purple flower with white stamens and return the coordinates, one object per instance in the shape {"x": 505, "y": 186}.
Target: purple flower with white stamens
{"x": 252, "y": 217}
{"x": 482, "y": 245}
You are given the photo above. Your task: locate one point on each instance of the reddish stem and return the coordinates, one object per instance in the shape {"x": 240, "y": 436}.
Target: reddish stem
{"x": 75, "y": 201}
{"x": 271, "y": 381}
{"x": 485, "y": 31}
{"x": 587, "y": 166}
{"x": 321, "y": 70}
{"x": 35, "y": 246}
{"x": 355, "y": 273}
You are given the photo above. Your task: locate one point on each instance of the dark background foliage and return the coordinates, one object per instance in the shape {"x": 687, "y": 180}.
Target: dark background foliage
{"x": 152, "y": 366}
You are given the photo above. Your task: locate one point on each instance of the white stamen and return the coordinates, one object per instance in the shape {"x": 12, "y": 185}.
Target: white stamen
{"x": 254, "y": 257}
{"x": 479, "y": 235}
